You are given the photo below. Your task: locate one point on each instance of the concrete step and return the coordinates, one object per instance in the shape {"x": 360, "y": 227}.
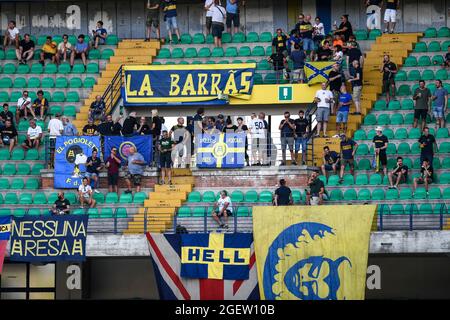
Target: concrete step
{"x": 174, "y": 188}
{"x": 392, "y": 46}
{"x": 124, "y": 52}
{"x": 163, "y": 217}
{"x": 176, "y": 172}
{"x": 162, "y": 203}
{"x": 137, "y": 44}
{"x": 156, "y": 211}
{"x": 167, "y": 195}
{"x": 183, "y": 180}
{"x": 132, "y": 59}
{"x": 104, "y": 80}
{"x": 113, "y": 67}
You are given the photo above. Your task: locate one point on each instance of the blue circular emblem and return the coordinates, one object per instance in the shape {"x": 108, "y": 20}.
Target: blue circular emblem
{"x": 124, "y": 149}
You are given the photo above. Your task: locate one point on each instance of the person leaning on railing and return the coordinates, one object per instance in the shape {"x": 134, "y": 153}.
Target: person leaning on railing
{"x": 316, "y": 193}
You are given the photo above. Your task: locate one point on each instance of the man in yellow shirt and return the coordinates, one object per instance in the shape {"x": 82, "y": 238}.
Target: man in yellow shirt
{"x": 49, "y": 50}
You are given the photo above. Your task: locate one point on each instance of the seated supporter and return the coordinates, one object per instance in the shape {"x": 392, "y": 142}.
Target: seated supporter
{"x": 97, "y": 109}
{"x": 49, "y": 51}
{"x": 316, "y": 193}
{"x": 99, "y": 35}
{"x": 61, "y": 205}
{"x": 24, "y": 106}
{"x": 11, "y": 36}
{"x": 79, "y": 51}
{"x": 34, "y": 136}
{"x": 331, "y": 161}
{"x": 5, "y": 115}
{"x": 447, "y": 58}
{"x": 40, "y": 105}
{"x": 90, "y": 129}
{"x": 9, "y": 135}
{"x": 223, "y": 208}
{"x": 324, "y": 53}
{"x": 26, "y": 49}
{"x": 85, "y": 194}
{"x": 426, "y": 175}
{"x": 64, "y": 49}
{"x": 399, "y": 174}
{"x": 348, "y": 150}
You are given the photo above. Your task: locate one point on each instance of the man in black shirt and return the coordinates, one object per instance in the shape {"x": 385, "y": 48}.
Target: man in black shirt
{"x": 389, "y": 69}
{"x": 335, "y": 82}
{"x": 283, "y": 195}
{"x": 287, "y": 128}
{"x": 26, "y": 50}
{"x": 399, "y": 173}
{"x": 427, "y": 143}
{"x": 380, "y": 142}
{"x": 9, "y": 135}
{"x": 129, "y": 125}
{"x": 143, "y": 128}
{"x": 324, "y": 53}
{"x": 5, "y": 115}
{"x": 279, "y": 63}
{"x": 301, "y": 128}
{"x": 353, "y": 53}
{"x": 356, "y": 79}
{"x": 316, "y": 194}
{"x": 93, "y": 166}
{"x": 306, "y": 33}
{"x": 345, "y": 29}
{"x": 447, "y": 58}
{"x": 106, "y": 128}
{"x": 331, "y": 161}
{"x": 279, "y": 42}
{"x": 426, "y": 175}
{"x": 90, "y": 129}
{"x": 61, "y": 205}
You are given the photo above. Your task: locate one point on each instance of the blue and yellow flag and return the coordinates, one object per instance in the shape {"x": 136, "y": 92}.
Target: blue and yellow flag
{"x": 216, "y": 256}
{"x": 312, "y": 253}
{"x": 317, "y": 72}
{"x": 225, "y": 150}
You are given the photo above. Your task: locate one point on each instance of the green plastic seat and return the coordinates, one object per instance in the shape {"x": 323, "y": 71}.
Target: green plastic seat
{"x": 194, "y": 196}
{"x": 245, "y": 51}
{"x": 10, "y": 54}
{"x": 401, "y": 133}
{"x": 442, "y": 133}
{"x": 252, "y": 37}
{"x": 391, "y": 148}
{"x": 17, "y": 184}
{"x": 370, "y": 120}
{"x": 94, "y": 54}
{"x": 444, "y": 178}
{"x": 50, "y": 68}
{"x": 99, "y": 197}
{"x": 190, "y": 53}
{"x": 364, "y": 194}
{"x": 361, "y": 179}
{"x": 32, "y": 155}
{"x": 237, "y": 196}
{"x": 350, "y": 195}
{"x": 17, "y": 154}
{"x": 111, "y": 197}
{"x": 425, "y": 208}
{"x": 72, "y": 197}
{"x": 40, "y": 198}
{"x": 74, "y": 82}
{"x": 378, "y": 194}
{"x": 442, "y": 74}
{"x": 263, "y": 65}
{"x": 363, "y": 149}
{"x": 92, "y": 68}
{"x": 226, "y": 37}
{"x": 78, "y": 212}
{"x": 231, "y": 52}
{"x": 258, "y": 78}
{"x": 177, "y": 53}
{"x": 209, "y": 39}
{"x": 296, "y": 196}
{"x": 64, "y": 68}
{"x": 444, "y": 147}
{"x": 6, "y": 83}
{"x": 78, "y": 68}
{"x": 139, "y": 197}
{"x": 361, "y": 35}
{"x": 443, "y": 32}
{"x": 217, "y": 53}
{"x": 209, "y": 196}
{"x": 336, "y": 195}
{"x": 445, "y": 163}
{"x": 407, "y": 104}
{"x": 34, "y": 212}
{"x": 428, "y": 75}
{"x": 199, "y": 38}
{"x": 265, "y": 37}
{"x": 89, "y": 82}
{"x": 10, "y": 68}
{"x": 106, "y": 213}
{"x": 420, "y": 193}
{"x": 70, "y": 111}
{"x": 383, "y": 119}
{"x": 4, "y": 154}
{"x": 424, "y": 61}
{"x": 5, "y": 212}
{"x": 11, "y": 198}
{"x": 72, "y": 96}
{"x": 61, "y": 83}
{"x": 375, "y": 179}
{"x": 23, "y": 169}
{"x": 379, "y": 105}
{"x": 410, "y": 61}
{"x": 420, "y": 47}
{"x": 430, "y": 33}
{"x": 333, "y": 180}
{"x": 184, "y": 212}
{"x": 445, "y": 193}
{"x": 359, "y": 135}
{"x": 20, "y": 83}
{"x": 163, "y": 53}
{"x": 434, "y": 46}
{"x": 375, "y": 33}
{"x": 106, "y": 54}
{"x": 400, "y": 76}
{"x": 48, "y": 82}
{"x": 59, "y": 96}
{"x": 396, "y": 119}
{"x": 404, "y": 90}
{"x": 112, "y": 40}
{"x": 405, "y": 194}
{"x": 265, "y": 196}
{"x": 396, "y": 209}
{"x": 258, "y": 51}
{"x": 22, "y": 69}
{"x": 9, "y": 169}
{"x": 126, "y": 198}
{"x": 238, "y": 37}
{"x": 242, "y": 212}
{"x": 364, "y": 164}
{"x": 185, "y": 38}
{"x": 389, "y": 133}
{"x": 93, "y": 213}
{"x": 198, "y": 212}
{"x": 251, "y": 196}
{"x": 52, "y": 197}
{"x": 2, "y": 55}
{"x": 204, "y": 53}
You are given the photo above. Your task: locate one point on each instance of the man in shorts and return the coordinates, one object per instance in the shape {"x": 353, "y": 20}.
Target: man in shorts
{"x": 64, "y": 48}
{"x": 426, "y": 175}
{"x": 136, "y": 164}
{"x": 152, "y": 20}
{"x": 113, "y": 165}
{"x": 169, "y": 8}
{"x": 389, "y": 70}
{"x": 324, "y": 99}
{"x": 26, "y": 50}
{"x": 331, "y": 161}
{"x": 345, "y": 100}
{"x": 24, "y": 107}
{"x": 316, "y": 193}
{"x": 165, "y": 146}
{"x": 80, "y": 51}
{"x": 380, "y": 142}
{"x": 8, "y": 135}
{"x": 399, "y": 174}
{"x": 356, "y": 79}
{"x": 390, "y": 15}
{"x": 85, "y": 194}
{"x": 232, "y": 7}
{"x": 93, "y": 166}
{"x": 422, "y": 97}
{"x": 223, "y": 208}
{"x": 11, "y": 37}
{"x": 40, "y": 105}
{"x": 49, "y": 51}
{"x": 287, "y": 128}
{"x": 440, "y": 100}
{"x": 34, "y": 136}
{"x": 348, "y": 150}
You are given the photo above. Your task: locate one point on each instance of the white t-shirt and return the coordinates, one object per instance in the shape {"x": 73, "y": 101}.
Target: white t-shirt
{"x": 322, "y": 95}
{"x": 22, "y": 101}
{"x": 34, "y": 133}
{"x": 85, "y": 190}
{"x": 257, "y": 128}
{"x": 13, "y": 33}
{"x": 61, "y": 46}
{"x": 209, "y": 12}
{"x": 221, "y": 203}
{"x": 54, "y": 127}
{"x": 320, "y": 29}
{"x": 219, "y": 14}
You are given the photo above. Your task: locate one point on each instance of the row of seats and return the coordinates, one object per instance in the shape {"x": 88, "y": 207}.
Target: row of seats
{"x": 365, "y": 164}
{"x": 111, "y": 39}
{"x": 401, "y": 133}
{"x": 394, "y": 119}
{"x": 236, "y": 196}
{"x": 433, "y": 46}
{"x": 406, "y": 90}
{"x": 19, "y": 184}
{"x": 403, "y": 148}
{"x": 199, "y": 38}
{"x": 92, "y": 212}
{"x": 423, "y": 61}
{"x": 372, "y": 179}
{"x": 22, "y": 169}
{"x": 49, "y": 68}
{"x": 40, "y": 198}
{"x": 427, "y": 75}
{"x": 60, "y": 82}
{"x": 383, "y": 194}
{"x": 184, "y": 212}
{"x": 206, "y": 52}
{"x": 443, "y": 32}
{"x": 94, "y": 54}
{"x": 19, "y": 154}
{"x": 364, "y": 35}
{"x": 57, "y": 96}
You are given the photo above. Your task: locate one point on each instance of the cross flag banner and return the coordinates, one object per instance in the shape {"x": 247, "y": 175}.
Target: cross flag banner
{"x": 143, "y": 145}
{"x": 317, "y": 72}
{"x": 225, "y": 253}
{"x": 312, "y": 253}
{"x": 5, "y": 233}
{"x": 71, "y": 153}
{"x": 225, "y": 150}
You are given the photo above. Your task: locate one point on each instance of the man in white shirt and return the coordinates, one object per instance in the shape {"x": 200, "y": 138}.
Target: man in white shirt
{"x": 34, "y": 136}
{"x": 208, "y": 9}
{"x": 85, "y": 194}
{"x": 23, "y": 106}
{"x": 55, "y": 129}
{"x": 324, "y": 99}
{"x": 64, "y": 48}
{"x": 11, "y": 35}
{"x": 222, "y": 208}
{"x": 219, "y": 15}
{"x": 259, "y": 140}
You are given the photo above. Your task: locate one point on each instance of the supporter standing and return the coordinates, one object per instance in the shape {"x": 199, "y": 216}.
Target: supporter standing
{"x": 218, "y": 18}
{"x": 306, "y": 32}
{"x": 335, "y": 82}
{"x": 380, "y": 142}
{"x": 374, "y": 16}
{"x": 298, "y": 57}
{"x": 279, "y": 42}
{"x": 390, "y": 15}
{"x": 279, "y": 63}
{"x": 129, "y": 125}
{"x": 422, "y": 97}
{"x": 241, "y": 127}
{"x": 181, "y": 138}
{"x": 233, "y": 14}
{"x": 287, "y": 128}
{"x": 356, "y": 78}
{"x": 166, "y": 146}
{"x": 34, "y": 136}
{"x": 169, "y": 7}
{"x": 283, "y": 195}
{"x": 93, "y": 166}
{"x": 354, "y": 54}
{"x": 427, "y": 143}
{"x": 319, "y": 31}
{"x": 143, "y": 128}
{"x": 389, "y": 70}
{"x": 135, "y": 170}
{"x": 208, "y": 22}
{"x": 345, "y": 100}
{"x": 90, "y": 129}
{"x": 301, "y": 138}
{"x": 324, "y": 99}
{"x": 440, "y": 100}
{"x": 69, "y": 128}
{"x": 25, "y": 52}
{"x": 259, "y": 140}
{"x": 55, "y": 129}
{"x": 152, "y": 20}
{"x": 324, "y": 53}
{"x": 348, "y": 150}
{"x": 113, "y": 164}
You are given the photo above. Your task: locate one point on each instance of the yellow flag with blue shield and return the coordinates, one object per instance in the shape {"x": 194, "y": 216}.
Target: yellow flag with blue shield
{"x": 317, "y": 72}
{"x": 312, "y": 253}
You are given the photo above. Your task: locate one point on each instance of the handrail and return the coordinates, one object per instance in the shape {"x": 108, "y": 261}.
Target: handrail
{"x": 113, "y": 91}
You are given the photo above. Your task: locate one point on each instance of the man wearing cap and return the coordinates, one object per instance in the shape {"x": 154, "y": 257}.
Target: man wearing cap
{"x": 348, "y": 150}
{"x": 220, "y": 123}
{"x": 380, "y": 142}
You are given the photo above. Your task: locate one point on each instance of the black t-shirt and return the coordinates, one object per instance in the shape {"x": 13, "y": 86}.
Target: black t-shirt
{"x": 300, "y": 126}
{"x": 447, "y": 56}
{"x": 129, "y": 125}
{"x": 392, "y": 67}
{"x": 306, "y": 26}
{"x": 62, "y": 204}
{"x": 6, "y": 115}
{"x": 10, "y": 132}
{"x": 315, "y": 186}
{"x": 278, "y": 61}
{"x": 375, "y": 2}
{"x": 106, "y": 128}
{"x": 347, "y": 33}
{"x": 279, "y": 42}
{"x": 26, "y": 45}
{"x": 347, "y": 148}
{"x": 145, "y": 130}
{"x": 332, "y": 157}
{"x": 117, "y": 128}
{"x": 90, "y": 129}
{"x": 353, "y": 54}
{"x": 158, "y": 124}
{"x": 422, "y": 172}
{"x": 392, "y": 4}
{"x": 229, "y": 129}
{"x": 428, "y": 142}
{"x": 283, "y": 194}
{"x": 328, "y": 53}
{"x": 286, "y": 130}
{"x": 96, "y": 163}
{"x": 335, "y": 85}
{"x": 399, "y": 169}
{"x": 379, "y": 142}
{"x": 357, "y": 83}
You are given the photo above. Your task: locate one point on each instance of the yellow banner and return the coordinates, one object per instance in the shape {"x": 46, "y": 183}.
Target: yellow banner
{"x": 312, "y": 253}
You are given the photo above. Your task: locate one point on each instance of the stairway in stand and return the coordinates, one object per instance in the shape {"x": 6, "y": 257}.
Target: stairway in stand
{"x": 162, "y": 204}
{"x": 128, "y": 52}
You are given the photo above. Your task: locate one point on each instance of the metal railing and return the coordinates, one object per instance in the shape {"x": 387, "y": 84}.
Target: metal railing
{"x": 114, "y": 91}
